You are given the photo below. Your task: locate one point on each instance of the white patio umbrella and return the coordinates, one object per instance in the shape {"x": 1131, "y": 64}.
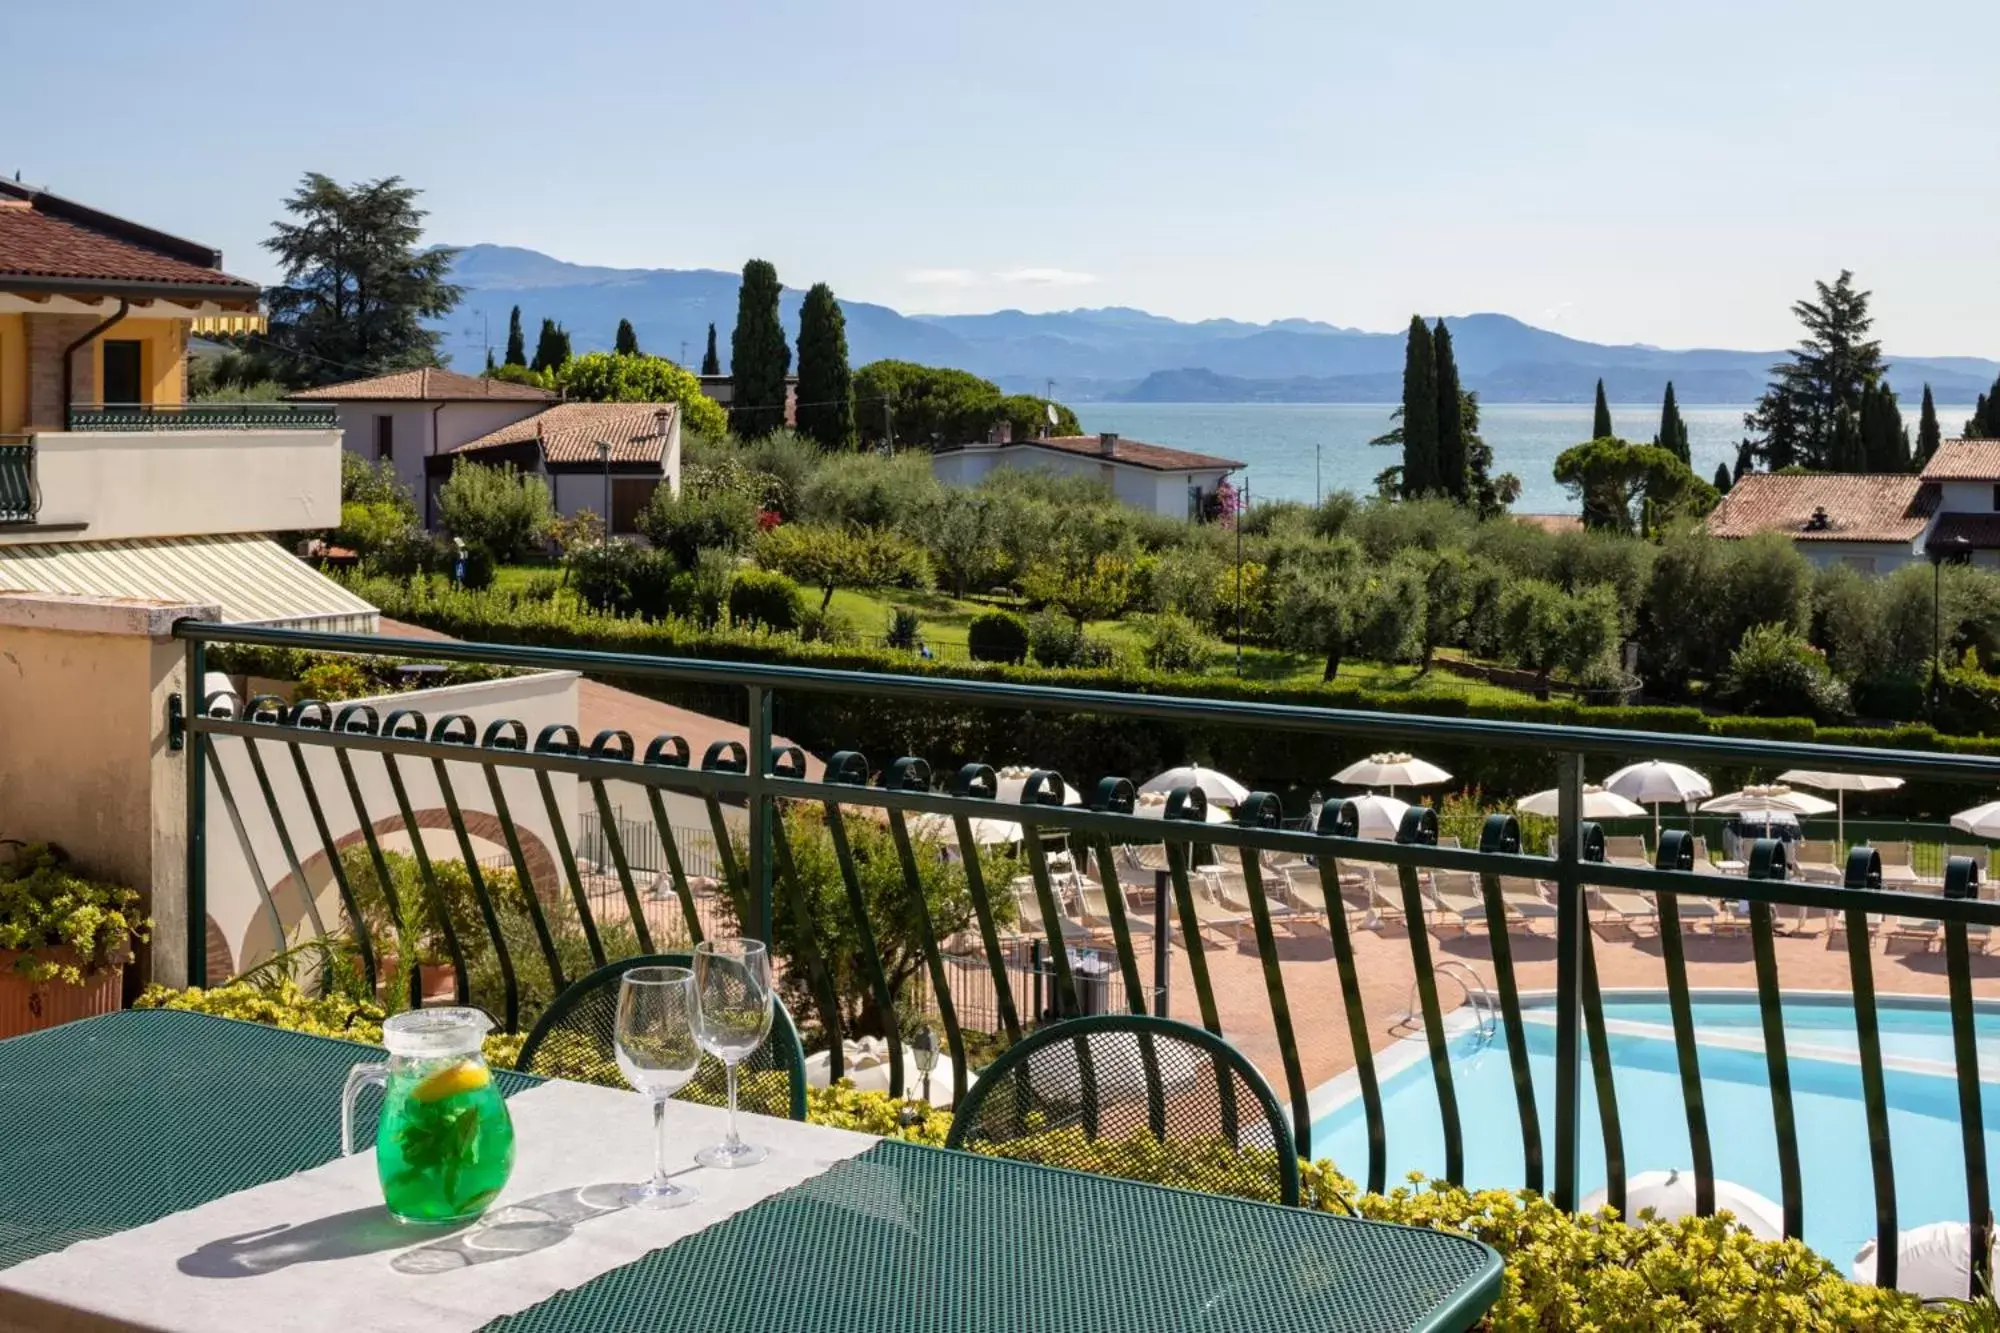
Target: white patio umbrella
{"x": 1657, "y": 782}
{"x": 1153, "y": 805}
{"x": 1933, "y": 1261}
{"x": 866, "y": 1064}
{"x": 1839, "y": 784}
{"x": 1013, "y": 780}
{"x": 1219, "y": 788}
{"x": 1775, "y": 799}
{"x": 1380, "y": 815}
{"x": 1670, "y": 1194}
{"x": 1392, "y": 770}
{"x": 1597, "y": 804}
{"x": 1981, "y": 821}
{"x": 985, "y": 832}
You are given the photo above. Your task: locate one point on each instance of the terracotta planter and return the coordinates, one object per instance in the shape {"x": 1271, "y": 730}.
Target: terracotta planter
{"x": 29, "y": 1006}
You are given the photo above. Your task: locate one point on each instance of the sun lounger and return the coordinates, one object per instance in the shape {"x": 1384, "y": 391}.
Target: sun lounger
{"x": 1028, "y": 903}
{"x": 1814, "y": 860}
{"x": 1096, "y": 912}
{"x": 1977, "y": 854}
{"x": 1921, "y": 931}
{"x": 1455, "y": 894}
{"x": 1229, "y": 887}
{"x": 1897, "y": 867}
{"x": 1624, "y": 904}
{"x": 1627, "y": 851}
{"x": 1524, "y": 898}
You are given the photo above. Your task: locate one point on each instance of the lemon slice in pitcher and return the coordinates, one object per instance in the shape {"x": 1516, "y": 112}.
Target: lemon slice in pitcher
{"x": 465, "y": 1076}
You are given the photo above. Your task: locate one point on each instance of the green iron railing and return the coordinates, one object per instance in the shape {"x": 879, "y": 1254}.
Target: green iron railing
{"x": 202, "y": 416}
{"x": 404, "y": 738}
{"x": 19, "y": 497}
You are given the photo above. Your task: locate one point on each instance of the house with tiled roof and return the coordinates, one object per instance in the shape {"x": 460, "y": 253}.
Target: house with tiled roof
{"x": 608, "y": 458}
{"x": 112, "y": 484}
{"x": 1877, "y": 522}
{"x": 1174, "y": 482}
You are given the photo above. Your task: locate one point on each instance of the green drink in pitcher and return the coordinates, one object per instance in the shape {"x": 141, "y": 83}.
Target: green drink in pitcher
{"x": 444, "y": 1143}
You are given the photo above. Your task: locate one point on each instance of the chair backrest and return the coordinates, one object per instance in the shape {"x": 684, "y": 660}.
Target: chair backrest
{"x": 1700, "y": 847}
{"x": 1817, "y": 851}
{"x": 575, "y": 1039}
{"x": 1065, "y": 1095}
{"x": 1978, "y": 854}
{"x": 1630, "y": 847}
{"x": 1893, "y": 853}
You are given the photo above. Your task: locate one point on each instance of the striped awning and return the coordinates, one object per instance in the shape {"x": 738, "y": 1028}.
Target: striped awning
{"x": 253, "y": 579}
{"x": 224, "y": 326}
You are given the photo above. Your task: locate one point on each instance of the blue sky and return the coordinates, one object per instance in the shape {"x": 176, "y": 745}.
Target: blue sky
{"x": 1667, "y": 173}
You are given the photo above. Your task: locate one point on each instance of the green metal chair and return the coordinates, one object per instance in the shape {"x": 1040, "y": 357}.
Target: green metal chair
{"x": 575, "y": 1039}
{"x": 1107, "y": 1094}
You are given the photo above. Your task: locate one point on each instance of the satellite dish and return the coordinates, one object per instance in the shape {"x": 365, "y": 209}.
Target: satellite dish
{"x": 1050, "y": 408}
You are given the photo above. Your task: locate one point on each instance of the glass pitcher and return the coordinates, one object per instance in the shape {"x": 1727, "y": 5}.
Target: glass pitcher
{"x": 444, "y": 1143}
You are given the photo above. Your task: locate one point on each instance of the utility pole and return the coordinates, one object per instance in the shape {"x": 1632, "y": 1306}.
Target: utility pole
{"x": 684, "y": 353}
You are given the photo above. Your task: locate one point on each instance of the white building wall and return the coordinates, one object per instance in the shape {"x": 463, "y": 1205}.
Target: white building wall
{"x": 1965, "y": 497}
{"x": 423, "y": 429}
{"x": 238, "y": 878}
{"x": 1865, "y": 557}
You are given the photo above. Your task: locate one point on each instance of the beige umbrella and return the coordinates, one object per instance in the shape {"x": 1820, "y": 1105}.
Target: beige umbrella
{"x": 1658, "y": 782}
{"x": 1011, "y": 782}
{"x": 1839, "y": 784}
{"x": 1219, "y": 788}
{"x": 1597, "y": 804}
{"x": 1670, "y": 1195}
{"x": 1932, "y": 1261}
{"x": 1392, "y": 770}
{"x": 1153, "y": 805}
{"x": 1380, "y": 816}
{"x": 1981, "y": 821}
{"x": 1775, "y": 799}
{"x": 985, "y": 832}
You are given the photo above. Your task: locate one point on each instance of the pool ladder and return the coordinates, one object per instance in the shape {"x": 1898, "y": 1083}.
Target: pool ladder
{"x": 1478, "y": 996}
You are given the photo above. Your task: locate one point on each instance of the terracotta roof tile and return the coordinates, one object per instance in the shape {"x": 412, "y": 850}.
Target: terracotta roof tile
{"x": 569, "y": 432}
{"x": 36, "y": 245}
{"x": 1860, "y": 507}
{"x": 1158, "y": 457}
{"x": 1965, "y": 460}
{"x": 428, "y": 384}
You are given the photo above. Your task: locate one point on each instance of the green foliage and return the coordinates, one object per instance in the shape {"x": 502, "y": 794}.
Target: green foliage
{"x": 826, "y": 383}
{"x": 766, "y": 599}
{"x": 1723, "y": 480}
{"x": 626, "y": 343}
{"x": 603, "y": 377}
{"x": 61, "y": 926}
{"x": 1175, "y": 643}
{"x": 711, "y": 364}
{"x": 1774, "y": 672}
{"x": 517, "y": 343}
{"x": 1673, "y": 436}
{"x": 234, "y": 375}
{"x": 1929, "y": 435}
{"x": 997, "y": 636}
{"x": 827, "y": 557}
{"x": 1612, "y": 478}
{"x": 335, "y": 681}
{"x": 721, "y": 519}
{"x": 498, "y": 509}
{"x": 1027, "y": 416}
{"x": 1885, "y": 441}
{"x": 1969, "y": 699}
{"x": 937, "y": 405}
{"x": 1600, "y": 417}
{"x": 1985, "y": 422}
{"x": 1546, "y": 630}
{"x": 872, "y": 491}
{"x": 906, "y": 629}
{"x": 1056, "y": 641}
{"x": 552, "y": 348}
{"x": 1420, "y": 413}
{"x": 373, "y": 484}
{"x": 368, "y": 528}
{"x": 1451, "y": 441}
{"x": 759, "y": 356}
{"x": 1810, "y": 412}
{"x": 513, "y": 374}
{"x": 356, "y": 288}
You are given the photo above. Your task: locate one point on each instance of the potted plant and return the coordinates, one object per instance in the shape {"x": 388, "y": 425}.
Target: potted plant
{"x": 64, "y": 941}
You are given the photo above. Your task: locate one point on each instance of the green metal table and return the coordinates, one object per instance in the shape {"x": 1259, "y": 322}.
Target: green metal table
{"x": 114, "y": 1122}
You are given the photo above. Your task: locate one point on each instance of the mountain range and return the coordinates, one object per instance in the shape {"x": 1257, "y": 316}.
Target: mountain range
{"x": 1121, "y": 354}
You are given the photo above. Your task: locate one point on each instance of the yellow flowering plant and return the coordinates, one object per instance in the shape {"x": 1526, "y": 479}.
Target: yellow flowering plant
{"x": 61, "y": 926}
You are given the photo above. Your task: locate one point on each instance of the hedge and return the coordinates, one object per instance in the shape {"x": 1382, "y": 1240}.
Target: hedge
{"x": 1084, "y": 747}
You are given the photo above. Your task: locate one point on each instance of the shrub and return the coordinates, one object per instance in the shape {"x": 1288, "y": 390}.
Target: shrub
{"x": 366, "y": 527}
{"x": 1775, "y": 673}
{"x": 45, "y": 907}
{"x": 905, "y": 629}
{"x": 373, "y": 484}
{"x": 1176, "y": 643}
{"x": 602, "y": 377}
{"x": 997, "y": 636}
{"x": 497, "y": 508}
{"x": 333, "y": 681}
{"x": 719, "y": 518}
{"x": 1054, "y": 641}
{"x": 541, "y": 587}
{"x": 761, "y": 597}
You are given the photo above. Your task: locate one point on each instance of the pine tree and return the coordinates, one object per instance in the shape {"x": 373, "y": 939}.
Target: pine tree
{"x": 1451, "y": 456}
{"x": 627, "y": 341}
{"x": 1420, "y": 412}
{"x": 1673, "y": 435}
{"x": 551, "y": 348}
{"x": 826, "y": 384}
{"x": 1928, "y": 436}
{"x": 1600, "y": 423}
{"x": 517, "y": 345}
{"x": 711, "y": 364}
{"x": 759, "y": 355}
{"x": 1723, "y": 480}
{"x": 1800, "y": 417}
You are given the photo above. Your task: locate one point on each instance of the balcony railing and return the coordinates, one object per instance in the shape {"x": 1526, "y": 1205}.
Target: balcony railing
{"x": 19, "y": 500}
{"x": 202, "y": 416}
{"x": 760, "y": 884}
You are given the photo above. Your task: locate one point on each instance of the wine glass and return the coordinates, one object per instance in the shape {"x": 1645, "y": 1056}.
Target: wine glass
{"x": 658, "y": 1054}
{"x": 732, "y": 990}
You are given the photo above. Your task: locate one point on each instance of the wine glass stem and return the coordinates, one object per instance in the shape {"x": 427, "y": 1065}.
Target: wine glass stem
{"x": 660, "y": 1143}
{"x": 729, "y": 1075}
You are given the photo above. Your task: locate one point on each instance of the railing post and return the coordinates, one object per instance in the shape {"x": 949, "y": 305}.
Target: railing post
{"x": 758, "y": 768}
{"x": 1571, "y": 924}
{"x": 197, "y": 816}
{"x": 1162, "y": 934}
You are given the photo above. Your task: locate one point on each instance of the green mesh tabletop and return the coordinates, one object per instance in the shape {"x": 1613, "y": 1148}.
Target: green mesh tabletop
{"x": 922, "y": 1239}
{"x": 110, "y": 1123}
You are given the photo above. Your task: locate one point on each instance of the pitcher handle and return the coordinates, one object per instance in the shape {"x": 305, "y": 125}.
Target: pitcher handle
{"x": 357, "y": 1078}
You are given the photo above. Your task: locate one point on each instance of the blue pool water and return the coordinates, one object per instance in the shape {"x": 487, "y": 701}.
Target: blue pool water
{"x": 1826, "y": 1085}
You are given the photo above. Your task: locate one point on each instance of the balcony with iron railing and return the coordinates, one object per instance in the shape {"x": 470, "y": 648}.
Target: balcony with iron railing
{"x": 18, "y": 499}
{"x": 259, "y": 416}
{"x": 1294, "y": 940}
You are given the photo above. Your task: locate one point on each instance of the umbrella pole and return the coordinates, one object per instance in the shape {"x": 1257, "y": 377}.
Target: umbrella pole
{"x": 1840, "y": 824}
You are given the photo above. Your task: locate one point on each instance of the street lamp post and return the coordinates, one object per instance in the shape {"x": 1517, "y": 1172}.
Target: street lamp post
{"x": 604, "y": 456}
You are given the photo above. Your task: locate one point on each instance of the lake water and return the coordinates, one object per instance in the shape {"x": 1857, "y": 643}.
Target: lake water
{"x": 1278, "y": 441}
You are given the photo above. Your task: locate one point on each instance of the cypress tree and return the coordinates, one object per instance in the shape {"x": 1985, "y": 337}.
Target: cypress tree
{"x": 517, "y": 346}
{"x": 1420, "y": 412}
{"x": 627, "y": 342}
{"x": 1848, "y": 451}
{"x": 1673, "y": 435}
{"x": 489, "y": 360}
{"x": 759, "y": 355}
{"x": 1723, "y": 480}
{"x": 711, "y": 364}
{"x": 826, "y": 384}
{"x": 1451, "y": 459}
{"x": 1928, "y": 436}
{"x": 1985, "y": 423}
{"x": 1885, "y": 442}
{"x": 551, "y": 348}
{"x": 1600, "y": 424}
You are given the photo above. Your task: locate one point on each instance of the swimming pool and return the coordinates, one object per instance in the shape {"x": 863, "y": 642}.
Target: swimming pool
{"x": 1839, "y": 1189}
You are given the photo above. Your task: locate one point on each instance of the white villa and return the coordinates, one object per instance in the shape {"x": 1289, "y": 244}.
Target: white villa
{"x": 1167, "y": 481}
{"x": 1878, "y": 522}
{"x": 608, "y": 458}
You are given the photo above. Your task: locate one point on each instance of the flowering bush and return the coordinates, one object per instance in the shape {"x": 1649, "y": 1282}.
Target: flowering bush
{"x": 45, "y": 908}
